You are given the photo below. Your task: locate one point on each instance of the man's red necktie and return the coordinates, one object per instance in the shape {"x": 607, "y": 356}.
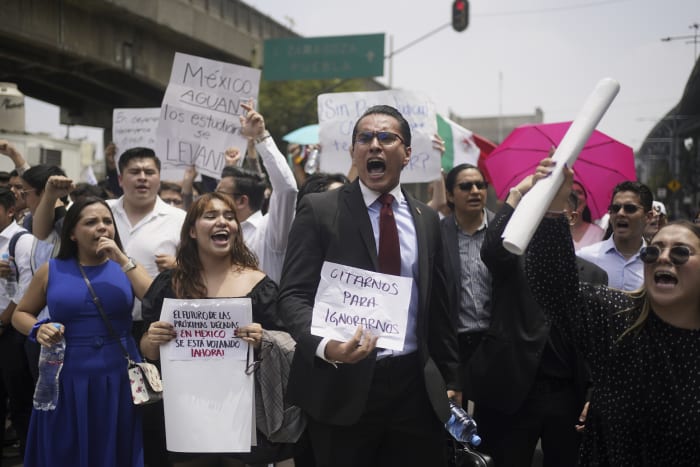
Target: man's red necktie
{"x": 389, "y": 249}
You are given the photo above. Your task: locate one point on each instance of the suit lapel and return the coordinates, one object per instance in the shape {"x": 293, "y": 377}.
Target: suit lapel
{"x": 452, "y": 243}
{"x": 359, "y": 216}
{"x": 423, "y": 258}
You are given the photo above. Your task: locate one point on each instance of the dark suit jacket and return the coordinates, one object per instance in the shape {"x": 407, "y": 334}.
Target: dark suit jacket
{"x": 502, "y": 370}
{"x": 452, "y": 259}
{"x": 335, "y": 226}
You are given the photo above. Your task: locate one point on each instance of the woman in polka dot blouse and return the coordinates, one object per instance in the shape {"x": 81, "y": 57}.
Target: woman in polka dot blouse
{"x": 643, "y": 347}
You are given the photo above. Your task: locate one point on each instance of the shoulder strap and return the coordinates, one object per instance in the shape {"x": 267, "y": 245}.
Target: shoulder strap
{"x": 14, "y": 240}
{"x": 13, "y": 245}
{"x": 98, "y": 304}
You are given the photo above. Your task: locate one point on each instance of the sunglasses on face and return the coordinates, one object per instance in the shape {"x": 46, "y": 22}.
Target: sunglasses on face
{"x": 629, "y": 208}
{"x": 385, "y": 138}
{"x": 678, "y": 254}
{"x": 467, "y": 186}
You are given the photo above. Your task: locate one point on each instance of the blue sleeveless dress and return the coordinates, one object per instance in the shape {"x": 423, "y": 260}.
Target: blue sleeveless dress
{"x": 95, "y": 422}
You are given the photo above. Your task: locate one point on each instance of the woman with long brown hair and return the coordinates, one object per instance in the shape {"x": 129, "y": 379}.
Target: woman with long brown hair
{"x": 212, "y": 262}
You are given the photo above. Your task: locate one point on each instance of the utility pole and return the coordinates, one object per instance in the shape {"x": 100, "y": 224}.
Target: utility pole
{"x": 393, "y": 52}
{"x": 690, "y": 39}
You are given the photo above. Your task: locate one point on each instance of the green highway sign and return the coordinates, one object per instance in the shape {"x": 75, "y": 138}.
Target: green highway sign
{"x": 324, "y": 57}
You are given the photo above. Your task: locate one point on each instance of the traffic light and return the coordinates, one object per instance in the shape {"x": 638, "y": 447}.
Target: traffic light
{"x": 460, "y": 15}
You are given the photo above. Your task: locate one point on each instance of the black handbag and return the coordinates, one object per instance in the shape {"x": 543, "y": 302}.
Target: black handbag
{"x": 463, "y": 455}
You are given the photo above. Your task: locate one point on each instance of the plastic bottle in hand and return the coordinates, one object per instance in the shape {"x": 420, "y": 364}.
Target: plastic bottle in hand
{"x": 311, "y": 166}
{"x": 11, "y": 279}
{"x": 50, "y": 364}
{"x": 461, "y": 426}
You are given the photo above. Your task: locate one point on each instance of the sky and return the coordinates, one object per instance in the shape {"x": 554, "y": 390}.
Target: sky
{"x": 550, "y": 53}
{"x": 547, "y": 53}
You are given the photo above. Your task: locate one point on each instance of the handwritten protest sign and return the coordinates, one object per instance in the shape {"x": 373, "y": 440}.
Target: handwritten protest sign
{"x": 133, "y": 128}
{"x": 206, "y": 332}
{"x": 338, "y": 112}
{"x": 199, "y": 117}
{"x": 348, "y": 297}
{"x": 208, "y": 398}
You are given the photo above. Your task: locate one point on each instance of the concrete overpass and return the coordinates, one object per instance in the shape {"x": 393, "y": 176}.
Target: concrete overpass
{"x": 90, "y": 56}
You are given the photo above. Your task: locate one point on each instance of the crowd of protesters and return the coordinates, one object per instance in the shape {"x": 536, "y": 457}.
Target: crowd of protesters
{"x": 586, "y": 343}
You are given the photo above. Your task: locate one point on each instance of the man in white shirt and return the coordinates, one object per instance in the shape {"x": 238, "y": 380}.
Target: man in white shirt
{"x": 630, "y": 210}
{"x": 266, "y": 235}
{"x": 148, "y": 227}
{"x": 149, "y": 230}
{"x": 16, "y": 383}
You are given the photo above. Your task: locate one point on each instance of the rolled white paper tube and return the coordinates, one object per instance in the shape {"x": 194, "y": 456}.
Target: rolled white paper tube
{"x": 534, "y": 205}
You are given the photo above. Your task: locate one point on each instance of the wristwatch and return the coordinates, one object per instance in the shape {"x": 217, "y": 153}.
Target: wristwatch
{"x": 266, "y": 134}
{"x": 129, "y": 265}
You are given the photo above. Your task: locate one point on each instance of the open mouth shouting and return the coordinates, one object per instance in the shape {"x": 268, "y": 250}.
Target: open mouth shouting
{"x": 665, "y": 279}
{"x": 622, "y": 224}
{"x": 221, "y": 237}
{"x": 376, "y": 168}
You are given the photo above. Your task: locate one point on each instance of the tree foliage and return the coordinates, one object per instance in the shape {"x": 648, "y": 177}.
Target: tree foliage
{"x": 288, "y": 105}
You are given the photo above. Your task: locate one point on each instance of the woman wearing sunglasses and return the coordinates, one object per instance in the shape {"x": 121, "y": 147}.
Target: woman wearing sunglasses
{"x": 212, "y": 262}
{"x": 643, "y": 347}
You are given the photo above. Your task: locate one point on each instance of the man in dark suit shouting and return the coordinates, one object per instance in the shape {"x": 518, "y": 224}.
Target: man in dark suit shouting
{"x": 369, "y": 406}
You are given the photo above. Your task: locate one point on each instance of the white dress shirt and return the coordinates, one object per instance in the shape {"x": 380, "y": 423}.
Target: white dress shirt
{"x": 157, "y": 233}
{"x": 266, "y": 235}
{"x": 5, "y": 237}
{"x": 409, "y": 261}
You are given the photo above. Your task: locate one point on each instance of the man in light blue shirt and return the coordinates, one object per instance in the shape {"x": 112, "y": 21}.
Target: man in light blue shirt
{"x": 630, "y": 210}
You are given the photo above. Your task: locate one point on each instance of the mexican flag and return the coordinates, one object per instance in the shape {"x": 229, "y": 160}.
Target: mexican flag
{"x": 460, "y": 146}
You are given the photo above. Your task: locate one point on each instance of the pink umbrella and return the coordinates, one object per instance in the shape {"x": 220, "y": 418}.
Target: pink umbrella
{"x": 602, "y": 163}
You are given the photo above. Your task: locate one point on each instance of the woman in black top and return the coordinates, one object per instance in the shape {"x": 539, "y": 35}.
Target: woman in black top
{"x": 643, "y": 346}
{"x": 212, "y": 262}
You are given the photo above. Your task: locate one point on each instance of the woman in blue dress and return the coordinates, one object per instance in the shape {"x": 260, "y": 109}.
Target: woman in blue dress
{"x": 95, "y": 421}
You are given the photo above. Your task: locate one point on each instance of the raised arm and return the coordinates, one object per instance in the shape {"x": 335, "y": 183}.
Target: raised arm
{"x": 284, "y": 187}
{"x": 500, "y": 261}
{"x": 588, "y": 314}
{"x": 56, "y": 187}
{"x": 137, "y": 275}
{"x": 188, "y": 186}
{"x": 551, "y": 261}
{"x": 438, "y": 200}
{"x": 9, "y": 150}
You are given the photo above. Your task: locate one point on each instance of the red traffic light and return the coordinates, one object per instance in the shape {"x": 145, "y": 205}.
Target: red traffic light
{"x": 460, "y": 15}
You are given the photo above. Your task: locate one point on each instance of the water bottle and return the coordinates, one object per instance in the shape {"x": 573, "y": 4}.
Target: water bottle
{"x": 311, "y": 166}
{"x": 50, "y": 364}
{"x": 461, "y": 426}
{"x": 11, "y": 279}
